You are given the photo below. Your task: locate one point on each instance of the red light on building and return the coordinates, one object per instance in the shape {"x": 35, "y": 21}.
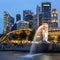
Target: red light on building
{"x": 25, "y": 14}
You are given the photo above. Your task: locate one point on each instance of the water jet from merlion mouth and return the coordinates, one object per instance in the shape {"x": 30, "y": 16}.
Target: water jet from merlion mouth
{"x": 40, "y": 35}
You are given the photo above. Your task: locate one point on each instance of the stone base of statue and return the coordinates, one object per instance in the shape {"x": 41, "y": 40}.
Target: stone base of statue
{"x": 46, "y": 47}
{"x": 43, "y": 46}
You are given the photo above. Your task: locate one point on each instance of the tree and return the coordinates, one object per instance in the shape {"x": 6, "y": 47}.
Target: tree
{"x": 50, "y": 38}
{"x": 58, "y": 38}
{"x": 31, "y": 36}
{"x": 23, "y": 35}
{"x": 0, "y": 35}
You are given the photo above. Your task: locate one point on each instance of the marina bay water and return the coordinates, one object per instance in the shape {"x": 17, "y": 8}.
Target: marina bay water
{"x": 15, "y": 55}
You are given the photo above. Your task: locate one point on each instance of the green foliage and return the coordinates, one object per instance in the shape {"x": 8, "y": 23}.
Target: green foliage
{"x": 23, "y": 35}
{"x": 14, "y": 36}
{"x": 1, "y": 35}
{"x": 31, "y": 36}
{"x": 50, "y": 38}
{"x": 20, "y": 36}
{"x": 58, "y": 39}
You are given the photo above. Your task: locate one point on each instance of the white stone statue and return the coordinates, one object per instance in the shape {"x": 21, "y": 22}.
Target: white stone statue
{"x": 40, "y": 35}
{"x": 45, "y": 32}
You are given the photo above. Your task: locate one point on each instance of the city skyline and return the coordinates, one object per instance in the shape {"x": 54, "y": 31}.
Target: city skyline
{"x": 14, "y": 7}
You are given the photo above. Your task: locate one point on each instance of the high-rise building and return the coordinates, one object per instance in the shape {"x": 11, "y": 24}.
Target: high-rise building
{"x": 28, "y": 16}
{"x": 8, "y": 22}
{"x": 54, "y": 18}
{"x": 6, "y": 15}
{"x": 18, "y": 17}
{"x": 37, "y": 18}
{"x": 46, "y": 12}
{"x": 14, "y": 27}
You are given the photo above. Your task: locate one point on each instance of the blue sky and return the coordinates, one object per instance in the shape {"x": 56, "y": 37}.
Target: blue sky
{"x": 17, "y": 6}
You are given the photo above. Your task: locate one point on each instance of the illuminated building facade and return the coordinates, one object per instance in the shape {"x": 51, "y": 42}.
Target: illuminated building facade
{"x": 6, "y": 15}
{"x": 18, "y": 17}
{"x": 28, "y": 16}
{"x": 46, "y": 12}
{"x": 8, "y": 22}
{"x": 37, "y": 18}
{"x": 54, "y": 18}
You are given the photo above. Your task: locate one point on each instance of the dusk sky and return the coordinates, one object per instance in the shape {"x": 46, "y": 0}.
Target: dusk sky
{"x": 17, "y": 6}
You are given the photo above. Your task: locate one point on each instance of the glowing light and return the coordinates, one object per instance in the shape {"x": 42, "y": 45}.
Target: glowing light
{"x": 35, "y": 42}
{"x": 54, "y": 20}
{"x": 46, "y": 5}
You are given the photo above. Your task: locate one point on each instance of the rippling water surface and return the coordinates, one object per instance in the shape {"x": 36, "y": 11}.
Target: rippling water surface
{"x": 12, "y": 55}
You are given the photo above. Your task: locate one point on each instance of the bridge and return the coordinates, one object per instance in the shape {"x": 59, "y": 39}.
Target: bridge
{"x": 7, "y": 37}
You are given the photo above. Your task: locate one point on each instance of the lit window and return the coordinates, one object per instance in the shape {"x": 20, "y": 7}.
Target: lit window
{"x": 54, "y": 11}
{"x": 54, "y": 20}
{"x": 54, "y": 14}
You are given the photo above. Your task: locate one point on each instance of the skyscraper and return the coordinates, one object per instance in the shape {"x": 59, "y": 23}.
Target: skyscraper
{"x": 54, "y": 18}
{"x": 35, "y": 22}
{"x": 18, "y": 17}
{"x": 37, "y": 18}
{"x": 28, "y": 16}
{"x": 46, "y": 12}
{"x": 8, "y": 22}
{"x": 14, "y": 27}
{"x": 6, "y": 15}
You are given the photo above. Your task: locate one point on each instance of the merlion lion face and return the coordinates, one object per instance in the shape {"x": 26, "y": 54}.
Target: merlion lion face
{"x": 41, "y": 33}
{"x": 44, "y": 27}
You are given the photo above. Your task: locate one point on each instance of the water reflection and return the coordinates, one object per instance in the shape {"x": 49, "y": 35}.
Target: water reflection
{"x": 6, "y": 55}
{"x": 49, "y": 56}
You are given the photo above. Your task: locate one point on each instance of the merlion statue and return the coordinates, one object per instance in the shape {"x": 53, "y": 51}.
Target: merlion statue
{"x": 40, "y": 36}
{"x": 45, "y": 32}
{"x": 41, "y": 33}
